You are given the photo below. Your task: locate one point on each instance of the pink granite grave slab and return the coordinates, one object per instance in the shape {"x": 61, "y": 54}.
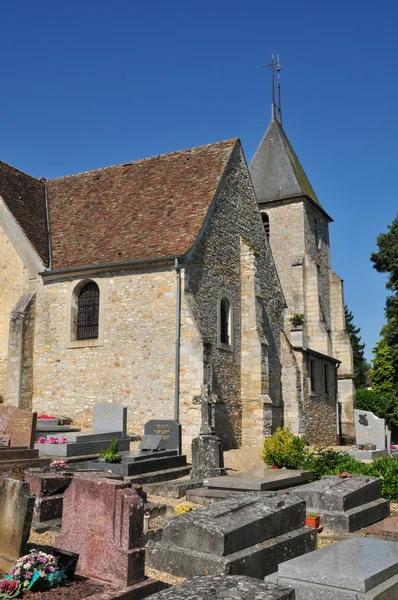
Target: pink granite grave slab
{"x": 20, "y": 425}
{"x": 102, "y": 521}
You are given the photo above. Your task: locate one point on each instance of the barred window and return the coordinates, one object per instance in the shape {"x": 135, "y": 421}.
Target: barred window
{"x": 88, "y": 312}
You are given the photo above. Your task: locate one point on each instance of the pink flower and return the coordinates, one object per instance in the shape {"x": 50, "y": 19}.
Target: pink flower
{"x": 54, "y": 440}
{"x": 51, "y": 569}
{"x": 63, "y": 440}
{"x": 28, "y": 574}
{"x": 42, "y": 440}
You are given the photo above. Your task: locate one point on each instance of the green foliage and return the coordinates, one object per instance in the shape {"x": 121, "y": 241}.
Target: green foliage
{"x": 384, "y": 405}
{"x": 283, "y": 449}
{"x": 386, "y": 468}
{"x": 360, "y": 363}
{"x": 297, "y": 320}
{"x": 385, "y": 260}
{"x": 111, "y": 454}
{"x": 383, "y": 374}
{"x": 331, "y": 462}
{"x": 372, "y": 401}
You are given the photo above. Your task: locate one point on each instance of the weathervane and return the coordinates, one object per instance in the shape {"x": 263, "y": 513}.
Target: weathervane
{"x": 276, "y": 67}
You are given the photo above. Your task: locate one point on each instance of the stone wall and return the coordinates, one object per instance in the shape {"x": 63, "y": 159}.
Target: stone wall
{"x": 342, "y": 350}
{"x": 11, "y": 286}
{"x": 214, "y": 268}
{"x": 319, "y": 407}
{"x": 135, "y": 364}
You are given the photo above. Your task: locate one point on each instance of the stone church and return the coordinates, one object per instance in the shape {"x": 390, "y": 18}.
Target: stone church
{"x": 149, "y": 282}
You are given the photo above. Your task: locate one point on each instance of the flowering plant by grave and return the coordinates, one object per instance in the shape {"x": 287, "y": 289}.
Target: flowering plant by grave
{"x": 46, "y": 417}
{"x": 183, "y": 508}
{"x": 58, "y": 465}
{"x": 31, "y": 570}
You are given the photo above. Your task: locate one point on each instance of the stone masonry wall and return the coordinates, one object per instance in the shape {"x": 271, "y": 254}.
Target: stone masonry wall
{"x": 135, "y": 364}
{"x": 11, "y": 286}
{"x": 319, "y": 408}
{"x": 317, "y": 286}
{"x": 213, "y": 269}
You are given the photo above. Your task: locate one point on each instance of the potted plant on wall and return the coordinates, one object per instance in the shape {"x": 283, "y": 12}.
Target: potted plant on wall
{"x": 312, "y": 520}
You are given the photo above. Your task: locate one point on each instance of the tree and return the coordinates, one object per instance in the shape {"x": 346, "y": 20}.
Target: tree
{"x": 360, "y": 363}
{"x": 385, "y": 260}
{"x": 383, "y": 373}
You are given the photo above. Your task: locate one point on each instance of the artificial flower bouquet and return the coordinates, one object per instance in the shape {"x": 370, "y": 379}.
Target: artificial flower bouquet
{"x": 34, "y": 570}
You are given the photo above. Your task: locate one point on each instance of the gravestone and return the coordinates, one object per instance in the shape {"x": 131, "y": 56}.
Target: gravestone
{"x": 17, "y": 429}
{"x": 207, "y": 451}
{"x": 369, "y": 429}
{"x": 103, "y": 522}
{"x": 110, "y": 417}
{"x": 16, "y": 510}
{"x": 357, "y": 568}
{"x": 109, "y": 422}
{"x": 345, "y": 505}
{"x": 19, "y": 424}
{"x": 233, "y": 587}
{"x": 169, "y": 431}
{"x": 243, "y": 535}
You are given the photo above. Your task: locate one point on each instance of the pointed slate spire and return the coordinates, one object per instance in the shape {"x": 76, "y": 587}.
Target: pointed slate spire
{"x": 275, "y": 169}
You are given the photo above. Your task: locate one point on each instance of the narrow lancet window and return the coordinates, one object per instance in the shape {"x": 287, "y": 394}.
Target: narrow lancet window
{"x": 266, "y": 224}
{"x": 225, "y": 321}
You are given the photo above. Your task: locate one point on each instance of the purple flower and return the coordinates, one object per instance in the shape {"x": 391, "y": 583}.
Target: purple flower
{"x": 28, "y": 574}
{"x": 51, "y": 569}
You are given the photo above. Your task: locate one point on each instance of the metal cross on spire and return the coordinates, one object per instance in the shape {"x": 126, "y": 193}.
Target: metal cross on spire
{"x": 276, "y": 66}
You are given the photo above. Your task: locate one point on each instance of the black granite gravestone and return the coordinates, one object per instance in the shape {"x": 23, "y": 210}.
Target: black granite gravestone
{"x": 170, "y": 432}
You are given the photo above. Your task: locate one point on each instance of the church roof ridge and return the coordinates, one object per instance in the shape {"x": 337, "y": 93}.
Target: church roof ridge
{"x": 231, "y": 141}
{"x": 7, "y": 165}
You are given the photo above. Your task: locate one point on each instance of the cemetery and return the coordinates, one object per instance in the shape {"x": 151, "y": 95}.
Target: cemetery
{"x": 117, "y": 530}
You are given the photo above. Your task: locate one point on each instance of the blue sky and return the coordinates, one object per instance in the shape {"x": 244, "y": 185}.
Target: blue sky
{"x": 87, "y": 83}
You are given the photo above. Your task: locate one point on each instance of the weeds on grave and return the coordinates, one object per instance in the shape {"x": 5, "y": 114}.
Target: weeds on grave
{"x": 111, "y": 454}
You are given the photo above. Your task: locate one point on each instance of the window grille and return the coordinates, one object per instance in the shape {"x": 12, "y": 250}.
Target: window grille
{"x": 266, "y": 224}
{"x": 88, "y": 312}
{"x": 225, "y": 316}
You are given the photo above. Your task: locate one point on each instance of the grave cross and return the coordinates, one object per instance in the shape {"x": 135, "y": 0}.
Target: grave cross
{"x": 206, "y": 400}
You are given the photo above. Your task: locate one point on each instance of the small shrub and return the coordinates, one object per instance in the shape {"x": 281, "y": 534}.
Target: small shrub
{"x": 283, "y": 449}
{"x": 183, "y": 508}
{"x": 297, "y": 320}
{"x": 111, "y": 454}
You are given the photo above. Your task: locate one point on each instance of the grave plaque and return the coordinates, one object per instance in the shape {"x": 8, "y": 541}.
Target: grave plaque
{"x": 168, "y": 430}
{"x": 20, "y": 425}
{"x": 369, "y": 429}
{"x": 5, "y": 440}
{"x": 150, "y": 442}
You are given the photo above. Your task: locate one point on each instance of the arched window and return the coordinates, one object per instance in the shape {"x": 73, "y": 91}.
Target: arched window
{"x": 225, "y": 322}
{"x": 88, "y": 312}
{"x": 265, "y": 218}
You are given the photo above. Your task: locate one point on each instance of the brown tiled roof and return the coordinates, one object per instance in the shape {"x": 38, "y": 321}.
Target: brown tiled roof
{"x": 25, "y": 198}
{"x": 145, "y": 209}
